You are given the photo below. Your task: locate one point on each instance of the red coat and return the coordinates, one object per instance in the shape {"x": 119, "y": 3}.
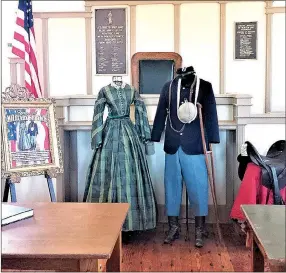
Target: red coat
{"x": 252, "y": 192}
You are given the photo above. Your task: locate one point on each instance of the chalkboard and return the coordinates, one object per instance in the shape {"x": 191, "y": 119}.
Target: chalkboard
{"x": 110, "y": 41}
{"x": 245, "y": 40}
{"x": 153, "y": 74}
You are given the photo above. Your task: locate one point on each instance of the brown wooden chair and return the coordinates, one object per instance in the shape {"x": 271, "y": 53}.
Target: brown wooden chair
{"x": 151, "y": 70}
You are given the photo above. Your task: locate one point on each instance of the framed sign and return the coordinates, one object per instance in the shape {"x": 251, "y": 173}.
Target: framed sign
{"x": 30, "y": 136}
{"x": 110, "y": 41}
{"x": 245, "y": 45}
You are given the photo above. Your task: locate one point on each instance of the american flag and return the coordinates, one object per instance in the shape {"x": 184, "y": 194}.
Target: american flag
{"x": 24, "y": 46}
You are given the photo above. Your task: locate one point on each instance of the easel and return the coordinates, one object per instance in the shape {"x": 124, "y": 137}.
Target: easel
{"x": 10, "y": 187}
{"x": 15, "y": 94}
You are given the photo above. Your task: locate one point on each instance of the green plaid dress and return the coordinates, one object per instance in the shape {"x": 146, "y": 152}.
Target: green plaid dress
{"x": 118, "y": 172}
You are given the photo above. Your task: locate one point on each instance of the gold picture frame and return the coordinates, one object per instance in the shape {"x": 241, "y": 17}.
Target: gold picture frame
{"x": 30, "y": 135}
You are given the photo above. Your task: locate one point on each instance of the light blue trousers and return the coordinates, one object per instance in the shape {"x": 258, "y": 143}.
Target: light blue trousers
{"x": 192, "y": 169}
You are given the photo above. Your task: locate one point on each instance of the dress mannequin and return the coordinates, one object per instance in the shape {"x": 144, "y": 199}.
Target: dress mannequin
{"x": 118, "y": 171}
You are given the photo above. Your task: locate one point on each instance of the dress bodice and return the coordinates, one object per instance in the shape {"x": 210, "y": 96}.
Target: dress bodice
{"x": 118, "y": 99}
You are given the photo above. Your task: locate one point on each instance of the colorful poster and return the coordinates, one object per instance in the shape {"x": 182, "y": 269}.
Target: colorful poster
{"x": 28, "y": 136}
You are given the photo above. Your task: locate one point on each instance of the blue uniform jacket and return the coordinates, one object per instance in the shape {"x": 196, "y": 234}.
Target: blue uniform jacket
{"x": 33, "y": 129}
{"x": 190, "y": 139}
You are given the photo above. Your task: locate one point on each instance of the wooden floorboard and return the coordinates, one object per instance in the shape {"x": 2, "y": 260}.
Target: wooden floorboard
{"x": 146, "y": 253}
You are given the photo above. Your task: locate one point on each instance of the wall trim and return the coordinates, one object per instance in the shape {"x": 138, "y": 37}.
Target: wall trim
{"x": 150, "y": 2}
{"x": 86, "y": 125}
{"x": 66, "y": 14}
{"x": 88, "y": 49}
{"x": 177, "y": 28}
{"x": 132, "y": 30}
{"x": 14, "y": 61}
{"x": 269, "y": 11}
{"x": 272, "y": 10}
{"x": 268, "y": 118}
{"x": 222, "y": 47}
{"x": 241, "y": 104}
{"x": 45, "y": 48}
{"x": 152, "y": 100}
{"x": 268, "y": 74}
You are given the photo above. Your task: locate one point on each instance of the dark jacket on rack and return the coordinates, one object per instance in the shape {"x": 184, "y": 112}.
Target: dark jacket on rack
{"x": 190, "y": 139}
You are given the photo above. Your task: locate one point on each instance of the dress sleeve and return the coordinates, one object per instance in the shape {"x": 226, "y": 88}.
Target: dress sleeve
{"x": 141, "y": 118}
{"x": 210, "y": 116}
{"x": 161, "y": 114}
{"x": 97, "y": 121}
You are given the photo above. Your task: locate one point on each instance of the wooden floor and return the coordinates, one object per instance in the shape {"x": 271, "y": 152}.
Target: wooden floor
{"x": 147, "y": 253}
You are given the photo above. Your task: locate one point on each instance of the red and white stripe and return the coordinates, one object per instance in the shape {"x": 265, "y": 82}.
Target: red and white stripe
{"x": 25, "y": 49}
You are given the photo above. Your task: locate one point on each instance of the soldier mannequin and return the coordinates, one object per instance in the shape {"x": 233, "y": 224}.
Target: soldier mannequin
{"x": 184, "y": 156}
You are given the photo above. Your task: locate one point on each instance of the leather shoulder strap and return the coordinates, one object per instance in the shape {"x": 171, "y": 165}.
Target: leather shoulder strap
{"x": 197, "y": 90}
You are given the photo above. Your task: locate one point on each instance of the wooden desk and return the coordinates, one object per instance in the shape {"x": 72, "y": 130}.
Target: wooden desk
{"x": 68, "y": 237}
{"x": 267, "y": 233}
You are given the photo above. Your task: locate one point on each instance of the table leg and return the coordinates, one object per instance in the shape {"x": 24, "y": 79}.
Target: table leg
{"x": 114, "y": 263}
{"x": 257, "y": 259}
{"x": 249, "y": 239}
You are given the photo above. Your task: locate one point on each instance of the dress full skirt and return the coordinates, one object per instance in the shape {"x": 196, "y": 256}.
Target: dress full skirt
{"x": 119, "y": 173}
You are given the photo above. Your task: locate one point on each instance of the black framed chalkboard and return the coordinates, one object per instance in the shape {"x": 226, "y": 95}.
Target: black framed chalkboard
{"x": 110, "y": 41}
{"x": 245, "y": 40}
{"x": 153, "y": 74}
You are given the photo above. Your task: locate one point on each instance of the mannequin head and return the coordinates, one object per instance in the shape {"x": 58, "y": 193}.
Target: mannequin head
{"x": 187, "y": 74}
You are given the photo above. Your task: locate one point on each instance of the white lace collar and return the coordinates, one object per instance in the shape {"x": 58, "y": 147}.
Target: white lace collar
{"x": 118, "y": 86}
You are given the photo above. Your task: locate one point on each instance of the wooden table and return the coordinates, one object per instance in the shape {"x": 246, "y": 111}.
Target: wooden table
{"x": 68, "y": 237}
{"x": 267, "y": 234}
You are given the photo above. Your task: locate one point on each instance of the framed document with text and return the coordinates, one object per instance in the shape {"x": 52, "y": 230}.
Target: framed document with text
{"x": 245, "y": 44}
{"x": 30, "y": 137}
{"x": 110, "y": 32}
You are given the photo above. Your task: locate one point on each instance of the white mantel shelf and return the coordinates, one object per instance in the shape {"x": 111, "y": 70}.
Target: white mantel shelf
{"x": 75, "y": 112}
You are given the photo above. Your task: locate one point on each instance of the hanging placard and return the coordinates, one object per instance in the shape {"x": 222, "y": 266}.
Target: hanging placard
{"x": 110, "y": 41}
{"x": 245, "y": 41}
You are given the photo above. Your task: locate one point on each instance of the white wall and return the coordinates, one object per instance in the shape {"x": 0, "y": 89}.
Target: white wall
{"x": 200, "y": 40}
{"x": 278, "y": 63}
{"x": 57, "y": 6}
{"x": 67, "y": 56}
{"x": 262, "y": 136}
{"x": 32, "y": 189}
{"x": 155, "y": 28}
{"x": 8, "y": 17}
{"x": 279, "y": 3}
{"x": 246, "y": 76}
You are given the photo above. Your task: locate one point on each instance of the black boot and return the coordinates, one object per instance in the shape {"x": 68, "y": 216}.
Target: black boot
{"x": 173, "y": 232}
{"x": 200, "y": 231}
{"x": 205, "y": 232}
